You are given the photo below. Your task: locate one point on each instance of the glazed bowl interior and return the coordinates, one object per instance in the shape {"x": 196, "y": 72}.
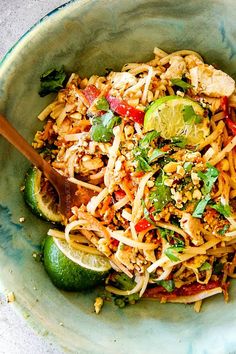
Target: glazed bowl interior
{"x": 88, "y": 37}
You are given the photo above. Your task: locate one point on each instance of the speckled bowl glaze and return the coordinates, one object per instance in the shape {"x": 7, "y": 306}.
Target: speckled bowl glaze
{"x": 89, "y": 36}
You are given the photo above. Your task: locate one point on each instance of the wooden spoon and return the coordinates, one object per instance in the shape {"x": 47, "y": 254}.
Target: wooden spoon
{"x": 70, "y": 194}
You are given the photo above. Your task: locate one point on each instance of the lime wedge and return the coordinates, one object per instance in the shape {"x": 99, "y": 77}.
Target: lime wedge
{"x": 86, "y": 260}
{"x": 42, "y": 201}
{"x": 71, "y": 269}
{"x": 166, "y": 115}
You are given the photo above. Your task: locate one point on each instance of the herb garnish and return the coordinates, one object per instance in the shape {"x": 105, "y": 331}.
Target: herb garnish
{"x": 141, "y": 153}
{"x": 102, "y": 129}
{"x": 181, "y": 83}
{"x": 102, "y": 104}
{"x": 161, "y": 194}
{"x": 169, "y": 285}
{"x": 199, "y": 210}
{"x": 205, "y": 266}
{"x": 170, "y": 252}
{"x": 190, "y": 117}
{"x": 222, "y": 209}
{"x": 52, "y": 81}
{"x": 209, "y": 178}
{"x": 179, "y": 141}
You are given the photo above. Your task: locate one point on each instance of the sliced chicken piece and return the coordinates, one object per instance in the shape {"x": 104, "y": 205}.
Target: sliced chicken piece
{"x": 211, "y": 82}
{"x": 192, "y": 226}
{"x": 122, "y": 80}
{"x": 192, "y": 61}
{"x": 176, "y": 69}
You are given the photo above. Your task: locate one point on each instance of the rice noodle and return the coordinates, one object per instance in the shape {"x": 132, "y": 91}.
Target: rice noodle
{"x": 197, "y": 297}
{"x": 118, "y": 235}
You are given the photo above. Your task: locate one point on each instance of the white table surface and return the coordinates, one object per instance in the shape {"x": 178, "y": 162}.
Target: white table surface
{"x": 16, "y": 17}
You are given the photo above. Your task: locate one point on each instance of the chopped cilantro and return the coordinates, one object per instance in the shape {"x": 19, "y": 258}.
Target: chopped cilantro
{"x": 102, "y": 129}
{"x": 161, "y": 194}
{"x": 217, "y": 267}
{"x": 223, "y": 231}
{"x": 179, "y": 141}
{"x": 178, "y": 242}
{"x": 222, "y": 209}
{"x": 147, "y": 214}
{"x": 188, "y": 166}
{"x": 142, "y": 164}
{"x": 52, "y": 81}
{"x": 155, "y": 155}
{"x": 141, "y": 152}
{"x": 199, "y": 210}
{"x": 102, "y": 104}
{"x": 209, "y": 178}
{"x": 164, "y": 233}
{"x": 205, "y": 266}
{"x": 190, "y": 117}
{"x": 181, "y": 83}
{"x": 169, "y": 285}
{"x": 170, "y": 253}
{"x": 149, "y": 137}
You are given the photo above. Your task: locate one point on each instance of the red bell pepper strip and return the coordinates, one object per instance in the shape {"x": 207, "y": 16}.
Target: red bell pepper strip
{"x": 142, "y": 225}
{"x": 120, "y": 194}
{"x": 124, "y": 109}
{"x": 225, "y": 107}
{"x": 186, "y": 290}
{"x": 91, "y": 93}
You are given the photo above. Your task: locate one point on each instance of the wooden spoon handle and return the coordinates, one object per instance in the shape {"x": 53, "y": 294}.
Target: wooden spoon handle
{"x": 11, "y": 134}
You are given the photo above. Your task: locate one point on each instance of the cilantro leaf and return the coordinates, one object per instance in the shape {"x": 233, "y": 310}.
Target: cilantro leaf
{"x": 199, "y": 210}
{"x": 190, "y": 117}
{"x": 149, "y": 137}
{"x": 102, "y": 104}
{"x": 205, "y": 266}
{"x": 223, "y": 231}
{"x": 217, "y": 267}
{"x": 181, "y": 83}
{"x": 222, "y": 209}
{"x": 102, "y": 128}
{"x": 188, "y": 166}
{"x": 179, "y": 141}
{"x": 141, "y": 152}
{"x": 146, "y": 213}
{"x": 161, "y": 194}
{"x": 164, "y": 233}
{"x": 169, "y": 285}
{"x": 170, "y": 253}
{"x": 156, "y": 154}
{"x": 52, "y": 81}
{"x": 209, "y": 178}
{"x": 142, "y": 164}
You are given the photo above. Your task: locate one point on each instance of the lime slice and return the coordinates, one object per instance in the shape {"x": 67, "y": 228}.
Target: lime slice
{"x": 166, "y": 115}
{"x": 41, "y": 196}
{"x": 71, "y": 269}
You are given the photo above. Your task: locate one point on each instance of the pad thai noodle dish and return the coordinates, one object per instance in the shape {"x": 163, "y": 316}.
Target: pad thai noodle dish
{"x": 154, "y": 147}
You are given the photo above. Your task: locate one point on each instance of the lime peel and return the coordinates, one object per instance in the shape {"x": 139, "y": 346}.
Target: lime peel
{"x": 36, "y": 200}
{"x": 81, "y": 271}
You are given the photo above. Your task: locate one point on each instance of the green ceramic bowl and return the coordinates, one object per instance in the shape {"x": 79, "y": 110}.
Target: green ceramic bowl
{"x": 89, "y": 36}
